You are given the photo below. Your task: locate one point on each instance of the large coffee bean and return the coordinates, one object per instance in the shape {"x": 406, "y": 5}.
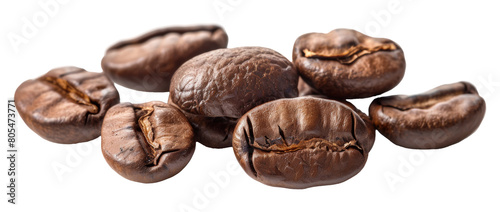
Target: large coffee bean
{"x": 302, "y": 142}
{"x": 221, "y": 85}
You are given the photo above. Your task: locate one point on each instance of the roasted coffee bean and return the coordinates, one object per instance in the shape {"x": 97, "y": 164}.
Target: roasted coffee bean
{"x": 67, "y": 104}
{"x": 147, "y": 142}
{"x": 221, "y": 85}
{"x": 147, "y": 63}
{"x": 346, "y": 64}
{"x": 302, "y": 142}
{"x": 435, "y": 119}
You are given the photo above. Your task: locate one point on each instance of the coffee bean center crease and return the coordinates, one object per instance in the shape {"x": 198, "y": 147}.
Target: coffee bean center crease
{"x": 152, "y": 148}
{"x": 347, "y": 55}
{"x": 281, "y": 145}
{"x": 72, "y": 93}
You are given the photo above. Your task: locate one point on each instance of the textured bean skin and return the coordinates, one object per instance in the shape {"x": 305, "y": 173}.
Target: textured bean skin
{"x": 224, "y": 84}
{"x": 346, "y": 64}
{"x": 128, "y": 151}
{"x": 147, "y": 63}
{"x": 67, "y": 104}
{"x": 302, "y": 142}
{"x": 435, "y": 119}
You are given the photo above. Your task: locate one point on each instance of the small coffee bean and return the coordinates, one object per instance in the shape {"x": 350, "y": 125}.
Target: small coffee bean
{"x": 147, "y": 63}
{"x": 67, "y": 104}
{"x": 147, "y": 142}
{"x": 346, "y": 64}
{"x": 435, "y": 119}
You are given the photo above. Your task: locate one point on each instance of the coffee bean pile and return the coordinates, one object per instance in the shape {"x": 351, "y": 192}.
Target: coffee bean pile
{"x": 288, "y": 122}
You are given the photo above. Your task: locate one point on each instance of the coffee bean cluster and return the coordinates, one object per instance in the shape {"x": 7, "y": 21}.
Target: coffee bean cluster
{"x": 288, "y": 121}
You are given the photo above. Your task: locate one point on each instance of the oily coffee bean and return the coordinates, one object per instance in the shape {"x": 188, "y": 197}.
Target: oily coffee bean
{"x": 221, "y": 85}
{"x": 435, "y": 119}
{"x": 67, "y": 104}
{"x": 346, "y": 64}
{"x": 302, "y": 142}
{"x": 147, "y": 142}
{"x": 147, "y": 63}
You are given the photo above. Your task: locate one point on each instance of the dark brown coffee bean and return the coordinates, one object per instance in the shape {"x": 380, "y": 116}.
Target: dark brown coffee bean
{"x": 435, "y": 119}
{"x": 302, "y": 142}
{"x": 67, "y": 104}
{"x": 346, "y": 64}
{"x": 221, "y": 85}
{"x": 147, "y": 63}
{"x": 147, "y": 142}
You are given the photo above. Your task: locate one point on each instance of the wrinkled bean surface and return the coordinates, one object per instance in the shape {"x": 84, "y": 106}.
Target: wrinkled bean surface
{"x": 224, "y": 84}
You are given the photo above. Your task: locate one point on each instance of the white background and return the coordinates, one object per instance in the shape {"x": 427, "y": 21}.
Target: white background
{"x": 443, "y": 43}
